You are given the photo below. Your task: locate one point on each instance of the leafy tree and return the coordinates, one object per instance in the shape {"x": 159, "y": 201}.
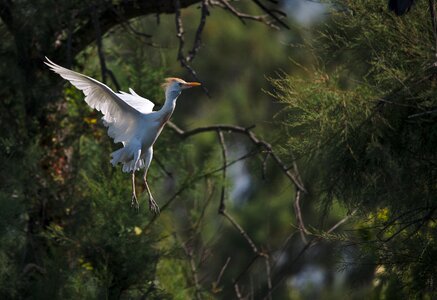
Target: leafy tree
{"x": 67, "y": 231}
{"x": 363, "y": 122}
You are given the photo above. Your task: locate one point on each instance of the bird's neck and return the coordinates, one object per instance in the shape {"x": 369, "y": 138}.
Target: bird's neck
{"x": 169, "y": 105}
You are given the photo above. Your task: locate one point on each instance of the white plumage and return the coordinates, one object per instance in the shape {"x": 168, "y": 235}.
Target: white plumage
{"x": 130, "y": 120}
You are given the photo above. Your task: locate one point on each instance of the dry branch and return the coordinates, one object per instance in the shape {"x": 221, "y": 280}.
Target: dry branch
{"x": 222, "y": 206}
{"x": 295, "y": 179}
{"x": 220, "y": 275}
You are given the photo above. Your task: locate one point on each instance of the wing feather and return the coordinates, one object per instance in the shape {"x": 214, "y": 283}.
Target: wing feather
{"x": 141, "y": 104}
{"x": 121, "y": 116}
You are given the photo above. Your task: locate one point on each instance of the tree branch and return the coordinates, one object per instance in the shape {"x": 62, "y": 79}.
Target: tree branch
{"x": 189, "y": 252}
{"x": 180, "y": 35}
{"x": 271, "y": 13}
{"x": 222, "y": 208}
{"x": 198, "y": 38}
{"x": 252, "y": 137}
{"x": 225, "y": 162}
{"x": 216, "y": 284}
{"x": 242, "y": 16}
{"x": 301, "y": 225}
{"x": 308, "y": 245}
{"x": 110, "y": 17}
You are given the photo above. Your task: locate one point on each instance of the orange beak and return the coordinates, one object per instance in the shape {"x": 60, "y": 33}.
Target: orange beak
{"x": 192, "y": 84}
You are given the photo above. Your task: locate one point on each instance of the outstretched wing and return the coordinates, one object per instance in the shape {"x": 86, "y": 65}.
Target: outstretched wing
{"x": 141, "y": 104}
{"x": 121, "y": 116}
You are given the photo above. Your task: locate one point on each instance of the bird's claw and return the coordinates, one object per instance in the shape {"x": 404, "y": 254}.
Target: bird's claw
{"x": 153, "y": 206}
{"x": 134, "y": 202}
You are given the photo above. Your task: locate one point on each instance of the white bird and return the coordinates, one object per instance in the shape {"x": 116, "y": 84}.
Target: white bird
{"x": 130, "y": 120}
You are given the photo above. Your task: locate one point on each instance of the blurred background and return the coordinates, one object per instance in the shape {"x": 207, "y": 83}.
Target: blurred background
{"x": 343, "y": 91}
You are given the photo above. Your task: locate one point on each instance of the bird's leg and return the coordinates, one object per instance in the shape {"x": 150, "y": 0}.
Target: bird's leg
{"x": 134, "y": 202}
{"x": 153, "y": 206}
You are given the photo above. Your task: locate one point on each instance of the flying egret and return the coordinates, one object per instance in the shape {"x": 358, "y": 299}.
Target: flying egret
{"x": 130, "y": 120}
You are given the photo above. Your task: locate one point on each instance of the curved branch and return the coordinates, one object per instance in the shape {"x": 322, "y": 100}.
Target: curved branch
{"x": 294, "y": 177}
{"x": 245, "y": 131}
{"x": 110, "y": 16}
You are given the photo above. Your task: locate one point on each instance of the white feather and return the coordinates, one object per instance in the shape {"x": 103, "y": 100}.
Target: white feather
{"x": 141, "y": 104}
{"x": 122, "y": 112}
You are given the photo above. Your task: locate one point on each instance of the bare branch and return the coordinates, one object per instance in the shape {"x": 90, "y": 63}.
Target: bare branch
{"x": 179, "y": 30}
{"x": 237, "y": 291}
{"x": 180, "y": 35}
{"x": 189, "y": 253}
{"x": 266, "y": 148}
{"x": 248, "y": 266}
{"x": 423, "y": 114}
{"x": 264, "y": 166}
{"x": 113, "y": 79}
{"x": 245, "y": 131}
{"x": 310, "y": 244}
{"x": 205, "y": 206}
{"x": 198, "y": 38}
{"x": 95, "y": 16}
{"x": 109, "y": 17}
{"x": 301, "y": 225}
{"x": 225, "y": 162}
{"x": 162, "y": 167}
{"x": 219, "y": 277}
{"x": 342, "y": 221}
{"x": 269, "y": 277}
{"x": 294, "y": 177}
{"x": 103, "y": 67}
{"x": 271, "y": 13}
{"x": 242, "y": 16}
{"x": 242, "y": 232}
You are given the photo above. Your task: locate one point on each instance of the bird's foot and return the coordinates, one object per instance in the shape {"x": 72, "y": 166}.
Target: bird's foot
{"x": 134, "y": 202}
{"x": 153, "y": 206}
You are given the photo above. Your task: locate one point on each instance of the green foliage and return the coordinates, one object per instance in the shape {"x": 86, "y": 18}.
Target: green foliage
{"x": 358, "y": 123}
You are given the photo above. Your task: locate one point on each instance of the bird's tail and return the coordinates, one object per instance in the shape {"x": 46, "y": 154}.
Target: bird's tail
{"x": 126, "y": 157}
{"x": 132, "y": 166}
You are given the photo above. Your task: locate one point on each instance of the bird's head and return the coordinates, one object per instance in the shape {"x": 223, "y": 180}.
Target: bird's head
{"x": 174, "y": 86}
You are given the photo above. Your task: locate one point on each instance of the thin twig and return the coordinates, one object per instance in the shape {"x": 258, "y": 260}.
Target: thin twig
{"x": 162, "y": 167}
{"x": 301, "y": 225}
{"x": 105, "y": 71}
{"x": 310, "y": 244}
{"x": 198, "y": 38}
{"x": 237, "y": 291}
{"x": 423, "y": 113}
{"x": 189, "y": 253}
{"x": 251, "y": 136}
{"x": 225, "y": 162}
{"x": 208, "y": 198}
{"x": 263, "y": 146}
{"x": 100, "y": 53}
{"x": 244, "y": 271}
{"x": 264, "y": 166}
{"x": 241, "y": 231}
{"x": 180, "y": 35}
{"x": 242, "y": 16}
{"x": 220, "y": 275}
{"x": 271, "y": 13}
{"x": 269, "y": 278}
